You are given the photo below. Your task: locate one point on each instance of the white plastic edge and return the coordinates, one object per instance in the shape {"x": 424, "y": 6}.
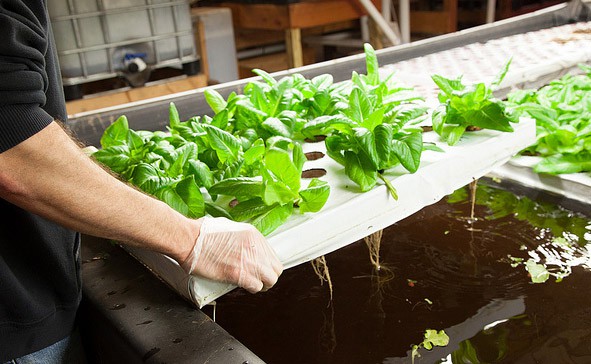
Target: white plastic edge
{"x": 575, "y": 186}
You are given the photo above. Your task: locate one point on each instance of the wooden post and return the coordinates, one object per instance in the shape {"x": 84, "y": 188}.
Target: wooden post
{"x": 450, "y": 7}
{"x": 375, "y": 35}
{"x": 293, "y": 43}
{"x": 201, "y": 47}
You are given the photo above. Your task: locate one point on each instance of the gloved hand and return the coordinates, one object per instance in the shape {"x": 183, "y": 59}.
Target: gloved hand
{"x": 233, "y": 252}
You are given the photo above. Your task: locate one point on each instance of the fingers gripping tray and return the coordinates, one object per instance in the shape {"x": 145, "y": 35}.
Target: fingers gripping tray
{"x": 350, "y": 215}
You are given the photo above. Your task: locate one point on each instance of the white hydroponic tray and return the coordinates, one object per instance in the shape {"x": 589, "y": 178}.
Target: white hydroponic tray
{"x": 350, "y": 215}
{"x": 574, "y": 186}
{"x": 540, "y": 55}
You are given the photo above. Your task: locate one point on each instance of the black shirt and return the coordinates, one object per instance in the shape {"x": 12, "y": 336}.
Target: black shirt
{"x": 39, "y": 260}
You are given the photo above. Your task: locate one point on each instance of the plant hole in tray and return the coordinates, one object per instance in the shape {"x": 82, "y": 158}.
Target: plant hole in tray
{"x": 473, "y": 278}
{"x": 313, "y": 173}
{"x": 312, "y": 156}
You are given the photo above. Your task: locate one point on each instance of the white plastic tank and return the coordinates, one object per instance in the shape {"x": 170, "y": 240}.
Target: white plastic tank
{"x": 98, "y": 39}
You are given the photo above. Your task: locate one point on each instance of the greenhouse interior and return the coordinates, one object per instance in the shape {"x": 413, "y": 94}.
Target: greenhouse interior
{"x": 295, "y": 181}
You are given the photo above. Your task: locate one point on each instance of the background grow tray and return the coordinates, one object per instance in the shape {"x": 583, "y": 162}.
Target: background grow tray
{"x": 574, "y": 186}
{"x": 350, "y": 215}
{"x": 538, "y": 56}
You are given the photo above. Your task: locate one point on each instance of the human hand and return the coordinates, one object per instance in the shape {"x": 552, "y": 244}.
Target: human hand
{"x": 233, "y": 252}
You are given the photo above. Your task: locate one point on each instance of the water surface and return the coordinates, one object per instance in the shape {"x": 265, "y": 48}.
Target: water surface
{"x": 442, "y": 270}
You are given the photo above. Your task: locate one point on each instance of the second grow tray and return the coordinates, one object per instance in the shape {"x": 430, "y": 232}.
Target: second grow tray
{"x": 350, "y": 215}
{"x": 574, "y": 186}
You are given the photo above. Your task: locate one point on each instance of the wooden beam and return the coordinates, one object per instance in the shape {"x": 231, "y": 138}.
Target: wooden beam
{"x": 259, "y": 16}
{"x": 305, "y": 14}
{"x": 248, "y": 38}
{"x": 450, "y": 8}
{"x": 199, "y": 35}
{"x": 432, "y": 22}
{"x": 271, "y": 62}
{"x": 114, "y": 98}
{"x": 436, "y": 21}
{"x": 308, "y": 14}
{"x": 293, "y": 45}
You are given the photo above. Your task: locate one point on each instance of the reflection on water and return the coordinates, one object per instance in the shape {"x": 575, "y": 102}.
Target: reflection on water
{"x": 563, "y": 236}
{"x": 442, "y": 271}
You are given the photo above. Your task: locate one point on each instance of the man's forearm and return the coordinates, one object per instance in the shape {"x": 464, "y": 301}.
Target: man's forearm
{"x": 50, "y": 176}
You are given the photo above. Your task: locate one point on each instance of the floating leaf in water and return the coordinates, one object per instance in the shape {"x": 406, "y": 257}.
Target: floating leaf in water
{"x": 569, "y": 232}
{"x": 435, "y": 338}
{"x": 538, "y": 272}
{"x": 431, "y": 339}
{"x": 555, "y": 258}
{"x": 515, "y": 261}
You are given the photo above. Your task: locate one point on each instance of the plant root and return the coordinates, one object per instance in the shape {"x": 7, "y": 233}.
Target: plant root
{"x": 321, "y": 270}
{"x": 327, "y": 335}
{"x": 373, "y": 243}
{"x": 473, "y": 186}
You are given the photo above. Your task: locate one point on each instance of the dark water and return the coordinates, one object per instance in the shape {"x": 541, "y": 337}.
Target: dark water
{"x": 442, "y": 271}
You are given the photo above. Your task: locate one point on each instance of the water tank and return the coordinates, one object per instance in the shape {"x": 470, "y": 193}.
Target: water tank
{"x": 99, "y": 39}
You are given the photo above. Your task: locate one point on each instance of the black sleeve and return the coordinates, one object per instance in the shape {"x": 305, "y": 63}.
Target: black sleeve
{"x": 24, "y": 44}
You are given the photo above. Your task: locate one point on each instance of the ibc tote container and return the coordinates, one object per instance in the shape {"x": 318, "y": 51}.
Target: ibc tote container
{"x": 99, "y": 39}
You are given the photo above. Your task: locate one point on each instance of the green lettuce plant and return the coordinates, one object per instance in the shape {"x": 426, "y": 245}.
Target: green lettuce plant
{"x": 465, "y": 106}
{"x": 562, "y": 110}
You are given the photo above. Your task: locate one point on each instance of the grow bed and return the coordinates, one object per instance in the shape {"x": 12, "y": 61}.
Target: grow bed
{"x": 537, "y": 57}
{"x": 354, "y": 214}
{"x": 574, "y": 186}
{"x": 350, "y": 215}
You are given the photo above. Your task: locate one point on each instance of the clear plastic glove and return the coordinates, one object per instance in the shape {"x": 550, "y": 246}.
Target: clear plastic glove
{"x": 233, "y": 252}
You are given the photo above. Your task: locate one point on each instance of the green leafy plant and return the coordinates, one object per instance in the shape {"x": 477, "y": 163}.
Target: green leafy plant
{"x": 275, "y": 107}
{"x": 198, "y": 157}
{"x": 250, "y": 149}
{"x": 268, "y": 201}
{"x": 488, "y": 346}
{"x": 370, "y": 124}
{"x": 154, "y": 163}
{"x": 431, "y": 339}
{"x": 376, "y": 131}
{"x": 465, "y": 106}
{"x": 562, "y": 110}
{"x": 220, "y": 154}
